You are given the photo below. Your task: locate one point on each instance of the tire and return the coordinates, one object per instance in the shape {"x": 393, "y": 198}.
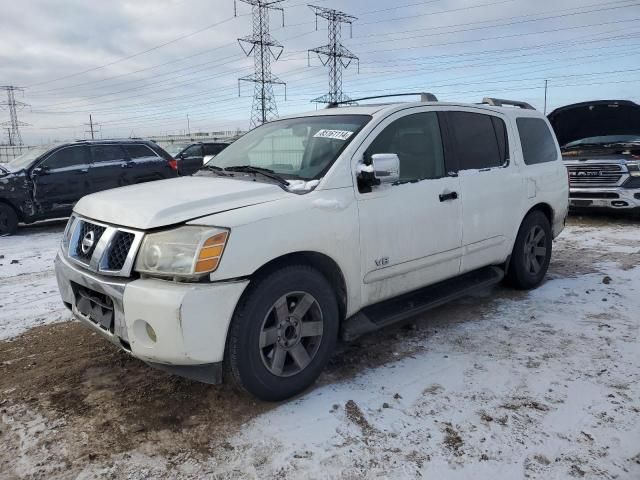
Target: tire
{"x": 529, "y": 264}
{"x": 283, "y": 313}
{"x": 8, "y": 220}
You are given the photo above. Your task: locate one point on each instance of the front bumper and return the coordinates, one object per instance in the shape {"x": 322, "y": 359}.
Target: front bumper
{"x": 180, "y": 327}
{"x": 615, "y": 198}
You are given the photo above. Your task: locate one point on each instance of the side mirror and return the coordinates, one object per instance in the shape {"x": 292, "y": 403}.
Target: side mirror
{"x": 40, "y": 171}
{"x": 383, "y": 168}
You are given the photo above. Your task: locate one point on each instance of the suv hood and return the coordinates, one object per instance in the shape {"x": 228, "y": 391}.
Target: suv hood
{"x": 593, "y": 119}
{"x": 167, "y": 202}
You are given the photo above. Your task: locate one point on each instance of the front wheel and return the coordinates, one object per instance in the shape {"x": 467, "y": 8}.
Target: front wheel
{"x": 531, "y": 253}
{"x": 8, "y": 220}
{"x": 282, "y": 333}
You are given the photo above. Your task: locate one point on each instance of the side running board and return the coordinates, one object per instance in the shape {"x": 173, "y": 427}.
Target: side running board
{"x": 400, "y": 308}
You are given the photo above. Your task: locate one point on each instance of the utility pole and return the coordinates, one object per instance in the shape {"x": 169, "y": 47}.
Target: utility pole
{"x": 546, "y": 82}
{"x": 263, "y": 47}
{"x": 92, "y": 127}
{"x": 14, "y": 124}
{"x": 9, "y": 136}
{"x": 334, "y": 54}
{"x": 188, "y": 126}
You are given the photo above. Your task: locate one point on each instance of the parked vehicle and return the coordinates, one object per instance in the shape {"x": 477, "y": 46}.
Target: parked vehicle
{"x": 174, "y": 149}
{"x": 335, "y": 222}
{"x": 47, "y": 181}
{"x": 193, "y": 157}
{"x": 600, "y": 144}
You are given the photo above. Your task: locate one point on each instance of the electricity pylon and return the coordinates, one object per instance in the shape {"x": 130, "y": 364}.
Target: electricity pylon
{"x": 334, "y": 54}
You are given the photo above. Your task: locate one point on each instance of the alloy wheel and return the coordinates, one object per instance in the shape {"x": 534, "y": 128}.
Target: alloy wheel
{"x": 291, "y": 334}
{"x": 535, "y": 250}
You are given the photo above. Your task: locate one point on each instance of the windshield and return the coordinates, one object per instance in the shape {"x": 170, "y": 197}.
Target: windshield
{"x": 27, "y": 158}
{"x": 175, "y": 148}
{"x": 298, "y": 148}
{"x": 604, "y": 140}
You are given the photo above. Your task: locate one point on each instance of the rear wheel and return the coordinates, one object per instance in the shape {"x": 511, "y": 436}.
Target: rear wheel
{"x": 8, "y": 220}
{"x": 283, "y": 333}
{"x": 531, "y": 253}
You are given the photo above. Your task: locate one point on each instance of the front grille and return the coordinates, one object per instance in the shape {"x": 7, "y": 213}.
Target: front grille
{"x": 107, "y": 249}
{"x": 88, "y": 239}
{"x": 119, "y": 249}
{"x": 593, "y": 195}
{"x": 595, "y": 175}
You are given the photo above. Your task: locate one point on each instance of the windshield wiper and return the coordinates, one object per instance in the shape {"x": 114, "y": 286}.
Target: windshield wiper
{"x": 623, "y": 144}
{"x": 582, "y": 145}
{"x": 214, "y": 168}
{"x": 265, "y": 172}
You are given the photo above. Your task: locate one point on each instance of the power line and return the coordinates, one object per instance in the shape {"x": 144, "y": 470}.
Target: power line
{"x": 333, "y": 54}
{"x": 263, "y": 47}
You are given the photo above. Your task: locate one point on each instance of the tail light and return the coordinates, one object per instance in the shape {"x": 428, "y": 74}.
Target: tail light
{"x": 173, "y": 164}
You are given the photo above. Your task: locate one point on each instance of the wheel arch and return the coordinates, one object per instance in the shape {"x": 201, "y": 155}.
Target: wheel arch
{"x": 321, "y": 262}
{"x": 544, "y": 208}
{"x": 19, "y": 212}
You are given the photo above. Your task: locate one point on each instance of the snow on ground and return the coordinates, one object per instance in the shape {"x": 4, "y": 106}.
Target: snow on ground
{"x": 527, "y": 389}
{"x": 501, "y": 385}
{"x": 28, "y": 289}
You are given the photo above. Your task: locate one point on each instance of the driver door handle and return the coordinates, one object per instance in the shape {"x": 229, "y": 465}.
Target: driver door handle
{"x": 448, "y": 196}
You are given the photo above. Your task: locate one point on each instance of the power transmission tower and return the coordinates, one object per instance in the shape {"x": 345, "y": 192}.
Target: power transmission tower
{"x": 92, "y": 127}
{"x": 14, "y": 124}
{"x": 263, "y": 47}
{"x": 334, "y": 54}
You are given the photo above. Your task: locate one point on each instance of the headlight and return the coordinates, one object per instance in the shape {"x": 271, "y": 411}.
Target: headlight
{"x": 186, "y": 252}
{"x": 66, "y": 237}
{"x": 634, "y": 168}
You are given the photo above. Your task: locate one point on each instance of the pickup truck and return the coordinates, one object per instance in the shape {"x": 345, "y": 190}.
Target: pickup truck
{"x": 600, "y": 144}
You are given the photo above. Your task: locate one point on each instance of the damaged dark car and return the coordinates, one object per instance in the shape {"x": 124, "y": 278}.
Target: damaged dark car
{"x": 46, "y": 182}
{"x": 600, "y": 144}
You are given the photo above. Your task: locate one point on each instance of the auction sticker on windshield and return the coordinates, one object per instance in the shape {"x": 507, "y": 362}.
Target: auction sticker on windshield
{"x": 337, "y": 134}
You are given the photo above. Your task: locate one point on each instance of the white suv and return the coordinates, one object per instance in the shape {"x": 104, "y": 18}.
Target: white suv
{"x": 311, "y": 227}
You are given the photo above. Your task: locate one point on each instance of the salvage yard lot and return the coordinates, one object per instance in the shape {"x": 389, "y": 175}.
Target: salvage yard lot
{"x": 504, "y": 384}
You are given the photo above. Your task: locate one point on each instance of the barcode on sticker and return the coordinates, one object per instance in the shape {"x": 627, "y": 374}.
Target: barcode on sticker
{"x": 337, "y": 134}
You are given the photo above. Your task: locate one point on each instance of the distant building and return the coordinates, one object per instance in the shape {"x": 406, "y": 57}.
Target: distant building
{"x": 196, "y": 137}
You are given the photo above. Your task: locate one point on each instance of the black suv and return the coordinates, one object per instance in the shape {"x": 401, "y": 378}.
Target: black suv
{"x": 47, "y": 181}
{"x": 191, "y": 158}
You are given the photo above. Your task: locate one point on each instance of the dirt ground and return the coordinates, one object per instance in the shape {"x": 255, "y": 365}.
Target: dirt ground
{"x": 71, "y": 402}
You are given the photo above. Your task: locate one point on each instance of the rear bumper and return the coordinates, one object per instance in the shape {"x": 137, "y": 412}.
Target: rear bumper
{"x": 178, "y": 327}
{"x": 614, "y": 198}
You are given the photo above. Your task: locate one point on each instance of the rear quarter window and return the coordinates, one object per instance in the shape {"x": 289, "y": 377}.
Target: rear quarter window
{"x": 139, "y": 151}
{"x": 538, "y": 144}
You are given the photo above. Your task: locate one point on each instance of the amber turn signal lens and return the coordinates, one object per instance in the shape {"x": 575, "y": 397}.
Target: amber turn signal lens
{"x": 210, "y": 253}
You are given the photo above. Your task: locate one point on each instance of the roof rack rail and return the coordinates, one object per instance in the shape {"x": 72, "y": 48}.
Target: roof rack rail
{"x": 499, "y": 102}
{"x": 424, "y": 97}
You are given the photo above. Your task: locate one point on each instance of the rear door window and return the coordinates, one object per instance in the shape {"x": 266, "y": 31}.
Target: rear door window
{"x": 67, "y": 157}
{"x": 139, "y": 151}
{"x": 479, "y": 141}
{"x": 538, "y": 145}
{"x": 107, "y": 153}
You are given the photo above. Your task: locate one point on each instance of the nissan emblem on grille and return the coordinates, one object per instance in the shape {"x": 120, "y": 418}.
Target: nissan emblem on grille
{"x": 109, "y": 250}
{"x": 87, "y": 241}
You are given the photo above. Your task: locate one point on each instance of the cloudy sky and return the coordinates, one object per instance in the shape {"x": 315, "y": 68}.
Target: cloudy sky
{"x": 141, "y": 66}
